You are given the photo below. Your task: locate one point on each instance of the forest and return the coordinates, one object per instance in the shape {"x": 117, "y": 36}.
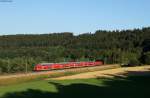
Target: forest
{"x": 19, "y": 53}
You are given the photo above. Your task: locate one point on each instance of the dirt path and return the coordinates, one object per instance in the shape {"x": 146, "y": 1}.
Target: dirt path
{"x": 142, "y": 70}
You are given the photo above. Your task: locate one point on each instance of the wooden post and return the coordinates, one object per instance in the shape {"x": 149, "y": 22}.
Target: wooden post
{"x": 8, "y": 67}
{"x": 26, "y": 67}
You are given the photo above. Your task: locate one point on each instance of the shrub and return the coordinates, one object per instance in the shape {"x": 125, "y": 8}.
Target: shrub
{"x": 134, "y": 62}
{"x": 146, "y": 58}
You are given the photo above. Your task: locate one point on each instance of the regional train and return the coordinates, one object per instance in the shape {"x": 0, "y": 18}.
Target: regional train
{"x": 66, "y": 65}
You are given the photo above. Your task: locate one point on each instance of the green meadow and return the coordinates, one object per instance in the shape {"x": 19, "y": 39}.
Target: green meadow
{"x": 130, "y": 87}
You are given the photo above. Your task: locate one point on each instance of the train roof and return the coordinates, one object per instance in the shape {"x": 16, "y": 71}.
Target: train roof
{"x": 46, "y": 63}
{"x": 53, "y": 63}
{"x": 62, "y": 63}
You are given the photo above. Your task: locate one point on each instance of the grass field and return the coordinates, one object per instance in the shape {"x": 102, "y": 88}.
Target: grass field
{"x": 130, "y": 87}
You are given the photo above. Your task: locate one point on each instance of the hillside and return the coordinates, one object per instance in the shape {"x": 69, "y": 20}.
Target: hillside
{"x": 124, "y": 47}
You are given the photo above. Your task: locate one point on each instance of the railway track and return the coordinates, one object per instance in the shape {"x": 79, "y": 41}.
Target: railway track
{"x": 52, "y": 72}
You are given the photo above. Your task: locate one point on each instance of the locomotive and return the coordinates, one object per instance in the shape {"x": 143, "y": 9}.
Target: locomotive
{"x": 65, "y": 65}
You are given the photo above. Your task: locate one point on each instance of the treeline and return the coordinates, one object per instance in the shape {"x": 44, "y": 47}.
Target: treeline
{"x": 20, "y": 52}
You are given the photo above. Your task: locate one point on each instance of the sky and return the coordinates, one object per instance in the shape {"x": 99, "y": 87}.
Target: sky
{"x": 78, "y": 16}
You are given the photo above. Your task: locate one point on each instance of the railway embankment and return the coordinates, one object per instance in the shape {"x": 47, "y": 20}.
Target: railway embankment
{"x": 26, "y": 77}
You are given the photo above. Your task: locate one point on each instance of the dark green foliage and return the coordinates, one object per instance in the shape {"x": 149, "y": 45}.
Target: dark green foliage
{"x": 17, "y": 64}
{"x": 134, "y": 62}
{"x": 146, "y": 58}
{"x": 124, "y": 47}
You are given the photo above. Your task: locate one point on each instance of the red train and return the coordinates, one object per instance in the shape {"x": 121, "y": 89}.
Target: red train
{"x": 52, "y": 66}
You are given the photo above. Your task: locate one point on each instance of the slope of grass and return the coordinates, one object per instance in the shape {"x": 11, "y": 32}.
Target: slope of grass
{"x": 34, "y": 77}
{"x": 131, "y": 87}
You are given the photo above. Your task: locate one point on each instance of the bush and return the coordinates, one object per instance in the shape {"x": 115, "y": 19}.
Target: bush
{"x": 146, "y": 58}
{"x": 134, "y": 62}
{"x": 3, "y": 65}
